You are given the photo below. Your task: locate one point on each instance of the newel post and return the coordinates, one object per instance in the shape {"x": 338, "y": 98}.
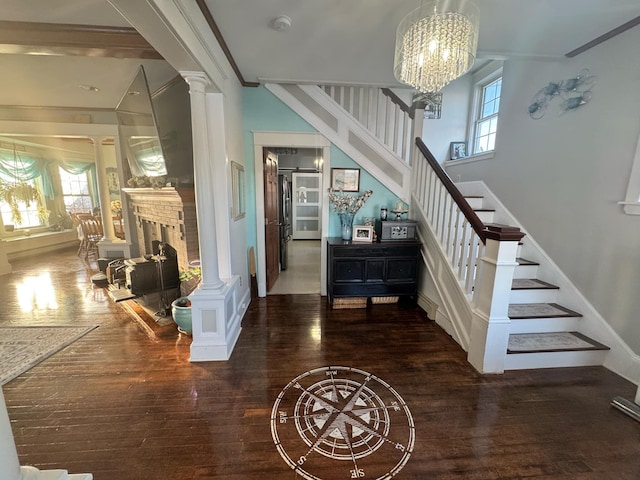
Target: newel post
{"x": 491, "y": 324}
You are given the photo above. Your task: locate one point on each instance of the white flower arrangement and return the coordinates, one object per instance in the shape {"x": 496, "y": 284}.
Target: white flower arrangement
{"x": 345, "y": 203}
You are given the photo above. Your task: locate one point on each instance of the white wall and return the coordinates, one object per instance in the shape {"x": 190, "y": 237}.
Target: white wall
{"x": 235, "y": 153}
{"x": 562, "y": 175}
{"x": 437, "y": 134}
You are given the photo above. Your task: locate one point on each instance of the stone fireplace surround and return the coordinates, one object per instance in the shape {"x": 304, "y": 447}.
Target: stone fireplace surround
{"x": 168, "y": 215}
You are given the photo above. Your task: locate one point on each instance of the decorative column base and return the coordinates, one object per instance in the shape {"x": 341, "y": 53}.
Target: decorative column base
{"x": 215, "y": 322}
{"x": 488, "y": 343}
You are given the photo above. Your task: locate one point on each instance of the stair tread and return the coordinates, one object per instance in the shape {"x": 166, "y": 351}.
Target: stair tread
{"x": 531, "y": 283}
{"x": 539, "y": 310}
{"x": 524, "y": 261}
{"x": 484, "y": 210}
{"x": 552, "y": 342}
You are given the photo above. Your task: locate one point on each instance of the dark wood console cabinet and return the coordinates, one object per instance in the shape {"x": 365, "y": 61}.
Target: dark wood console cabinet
{"x": 357, "y": 269}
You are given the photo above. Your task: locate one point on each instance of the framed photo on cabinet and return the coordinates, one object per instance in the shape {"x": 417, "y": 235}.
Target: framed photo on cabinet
{"x": 362, "y": 233}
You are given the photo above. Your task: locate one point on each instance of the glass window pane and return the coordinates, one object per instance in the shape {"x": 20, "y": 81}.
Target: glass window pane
{"x": 75, "y": 190}
{"x": 493, "y": 125}
{"x": 491, "y": 142}
{"x": 484, "y": 129}
{"x": 487, "y": 120}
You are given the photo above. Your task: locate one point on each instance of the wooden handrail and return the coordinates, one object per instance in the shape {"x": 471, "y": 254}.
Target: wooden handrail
{"x": 457, "y": 196}
{"x": 398, "y": 101}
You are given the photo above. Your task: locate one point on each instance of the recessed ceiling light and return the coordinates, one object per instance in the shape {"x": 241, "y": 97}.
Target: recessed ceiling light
{"x": 89, "y": 88}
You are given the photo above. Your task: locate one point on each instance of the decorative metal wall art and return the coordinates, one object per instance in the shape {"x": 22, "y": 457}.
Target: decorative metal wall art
{"x": 571, "y": 93}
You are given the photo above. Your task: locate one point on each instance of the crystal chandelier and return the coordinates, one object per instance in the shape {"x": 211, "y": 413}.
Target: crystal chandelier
{"x": 436, "y": 43}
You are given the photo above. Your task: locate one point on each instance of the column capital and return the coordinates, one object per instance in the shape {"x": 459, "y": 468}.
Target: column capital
{"x": 197, "y": 81}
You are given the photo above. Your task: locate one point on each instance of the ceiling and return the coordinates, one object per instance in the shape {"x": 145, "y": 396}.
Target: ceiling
{"x": 333, "y": 41}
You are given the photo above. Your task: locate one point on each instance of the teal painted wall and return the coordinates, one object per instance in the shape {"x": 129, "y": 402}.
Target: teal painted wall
{"x": 262, "y": 111}
{"x": 381, "y": 195}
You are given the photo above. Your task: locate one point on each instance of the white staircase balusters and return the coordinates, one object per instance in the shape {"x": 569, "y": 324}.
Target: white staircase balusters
{"x": 380, "y": 111}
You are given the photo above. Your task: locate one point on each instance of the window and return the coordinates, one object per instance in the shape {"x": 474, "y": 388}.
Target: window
{"x": 486, "y": 124}
{"x": 75, "y": 192}
{"x": 19, "y": 213}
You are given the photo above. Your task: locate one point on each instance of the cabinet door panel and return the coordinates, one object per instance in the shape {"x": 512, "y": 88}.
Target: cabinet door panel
{"x": 348, "y": 271}
{"x": 401, "y": 269}
{"x": 375, "y": 270}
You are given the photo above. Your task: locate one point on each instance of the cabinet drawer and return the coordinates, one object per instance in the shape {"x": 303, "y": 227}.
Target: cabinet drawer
{"x": 375, "y": 250}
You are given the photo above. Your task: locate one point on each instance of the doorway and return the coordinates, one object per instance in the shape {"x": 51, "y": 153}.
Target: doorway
{"x": 300, "y": 219}
{"x": 291, "y": 140}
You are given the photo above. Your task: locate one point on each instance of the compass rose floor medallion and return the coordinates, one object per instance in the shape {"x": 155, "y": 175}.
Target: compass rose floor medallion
{"x": 342, "y": 422}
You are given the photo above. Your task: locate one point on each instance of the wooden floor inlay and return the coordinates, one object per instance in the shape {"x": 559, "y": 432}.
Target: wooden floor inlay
{"x": 343, "y": 419}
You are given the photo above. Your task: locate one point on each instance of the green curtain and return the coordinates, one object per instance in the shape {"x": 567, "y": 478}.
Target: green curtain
{"x": 20, "y": 167}
{"x": 16, "y": 167}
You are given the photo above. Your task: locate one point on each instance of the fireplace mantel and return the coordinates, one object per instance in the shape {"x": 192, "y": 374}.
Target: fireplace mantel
{"x": 184, "y": 194}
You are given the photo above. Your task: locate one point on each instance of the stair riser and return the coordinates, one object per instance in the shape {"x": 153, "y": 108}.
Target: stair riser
{"x": 533, "y": 296}
{"x": 485, "y": 217}
{"x": 524, "y": 361}
{"x": 545, "y": 325}
{"x": 475, "y": 202}
{"x": 526, "y": 271}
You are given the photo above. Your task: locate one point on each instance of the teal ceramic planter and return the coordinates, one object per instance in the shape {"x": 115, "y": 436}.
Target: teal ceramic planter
{"x": 181, "y": 312}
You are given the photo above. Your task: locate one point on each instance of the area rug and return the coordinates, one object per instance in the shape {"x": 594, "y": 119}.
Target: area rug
{"x": 24, "y": 347}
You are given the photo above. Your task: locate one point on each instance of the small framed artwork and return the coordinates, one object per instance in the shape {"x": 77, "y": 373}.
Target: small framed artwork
{"x": 237, "y": 189}
{"x": 362, "y": 233}
{"x": 345, "y": 179}
{"x": 458, "y": 150}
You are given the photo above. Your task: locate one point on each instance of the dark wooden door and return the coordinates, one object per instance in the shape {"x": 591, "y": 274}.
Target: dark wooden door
{"x": 272, "y": 242}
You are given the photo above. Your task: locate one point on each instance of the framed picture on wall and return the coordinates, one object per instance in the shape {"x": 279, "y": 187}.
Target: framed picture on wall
{"x": 458, "y": 150}
{"x": 345, "y": 179}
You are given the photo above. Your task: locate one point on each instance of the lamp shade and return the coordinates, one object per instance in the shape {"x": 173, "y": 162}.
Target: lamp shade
{"x": 436, "y": 43}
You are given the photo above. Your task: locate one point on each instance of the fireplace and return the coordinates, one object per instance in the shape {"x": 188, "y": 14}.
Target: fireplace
{"x": 153, "y": 273}
{"x": 166, "y": 215}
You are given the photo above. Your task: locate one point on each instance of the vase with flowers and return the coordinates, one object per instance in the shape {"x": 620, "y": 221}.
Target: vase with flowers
{"x": 346, "y": 206}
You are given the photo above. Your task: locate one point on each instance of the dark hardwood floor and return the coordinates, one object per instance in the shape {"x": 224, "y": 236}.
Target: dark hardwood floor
{"x": 127, "y": 406}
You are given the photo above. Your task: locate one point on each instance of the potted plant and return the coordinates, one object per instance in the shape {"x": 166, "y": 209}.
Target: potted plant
{"x": 181, "y": 306}
{"x": 14, "y": 193}
{"x": 181, "y": 313}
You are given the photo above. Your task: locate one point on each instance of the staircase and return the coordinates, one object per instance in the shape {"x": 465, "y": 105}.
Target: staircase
{"x": 507, "y": 314}
{"x": 543, "y": 333}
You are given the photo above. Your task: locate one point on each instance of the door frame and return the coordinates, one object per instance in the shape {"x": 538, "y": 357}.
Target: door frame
{"x": 262, "y": 139}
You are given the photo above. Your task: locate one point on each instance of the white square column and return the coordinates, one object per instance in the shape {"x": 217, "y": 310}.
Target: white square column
{"x": 214, "y": 316}
{"x": 491, "y": 324}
